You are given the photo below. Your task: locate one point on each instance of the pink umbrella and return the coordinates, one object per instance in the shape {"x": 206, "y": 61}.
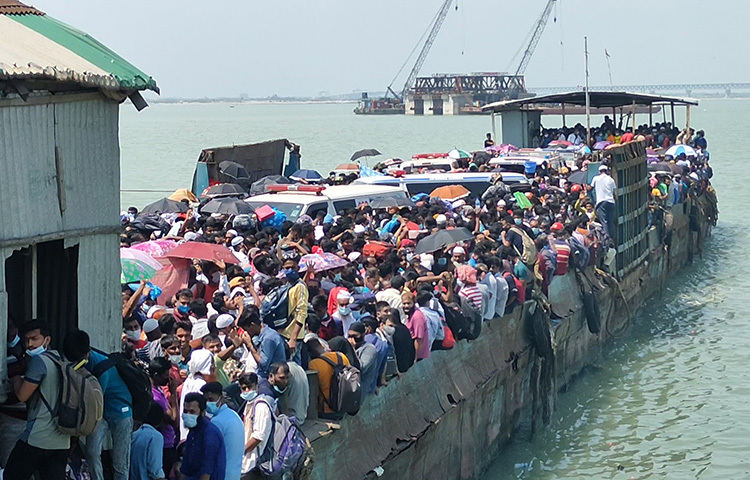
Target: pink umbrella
{"x": 322, "y": 261}
{"x": 503, "y": 149}
{"x": 602, "y": 145}
{"x": 156, "y": 248}
{"x": 560, "y": 143}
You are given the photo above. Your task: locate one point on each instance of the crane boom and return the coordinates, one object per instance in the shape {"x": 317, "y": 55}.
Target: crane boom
{"x": 535, "y": 36}
{"x": 439, "y": 19}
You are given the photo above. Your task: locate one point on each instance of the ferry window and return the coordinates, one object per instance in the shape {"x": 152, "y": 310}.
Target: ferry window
{"x": 415, "y": 188}
{"x": 344, "y": 204}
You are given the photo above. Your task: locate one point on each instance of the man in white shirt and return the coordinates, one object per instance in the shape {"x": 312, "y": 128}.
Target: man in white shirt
{"x": 605, "y": 189}
{"x": 258, "y": 424}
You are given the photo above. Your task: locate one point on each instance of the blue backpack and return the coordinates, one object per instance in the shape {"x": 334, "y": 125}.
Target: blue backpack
{"x": 274, "y": 310}
{"x": 579, "y": 254}
{"x": 285, "y": 449}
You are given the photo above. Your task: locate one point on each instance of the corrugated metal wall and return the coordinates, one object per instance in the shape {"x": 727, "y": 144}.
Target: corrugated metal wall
{"x": 99, "y": 299}
{"x": 85, "y": 132}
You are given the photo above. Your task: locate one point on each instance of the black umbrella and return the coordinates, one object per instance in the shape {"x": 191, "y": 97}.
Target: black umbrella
{"x": 367, "y": 152}
{"x": 581, "y": 177}
{"x": 233, "y": 169}
{"x": 261, "y": 186}
{"x": 441, "y": 239}
{"x": 229, "y": 206}
{"x": 223, "y": 190}
{"x": 664, "y": 167}
{"x": 165, "y": 205}
{"x": 389, "y": 202}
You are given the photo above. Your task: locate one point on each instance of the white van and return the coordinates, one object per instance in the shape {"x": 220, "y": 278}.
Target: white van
{"x": 297, "y": 200}
{"x": 475, "y": 182}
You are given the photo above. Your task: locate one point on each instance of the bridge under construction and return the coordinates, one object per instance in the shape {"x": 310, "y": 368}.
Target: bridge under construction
{"x": 727, "y": 90}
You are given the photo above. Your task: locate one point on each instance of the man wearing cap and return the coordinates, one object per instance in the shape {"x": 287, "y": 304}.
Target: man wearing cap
{"x": 458, "y": 255}
{"x": 153, "y": 335}
{"x": 343, "y": 313}
{"x": 605, "y": 189}
{"x": 236, "y": 247}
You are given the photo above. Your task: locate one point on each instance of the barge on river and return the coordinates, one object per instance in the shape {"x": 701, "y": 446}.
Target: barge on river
{"x": 451, "y": 415}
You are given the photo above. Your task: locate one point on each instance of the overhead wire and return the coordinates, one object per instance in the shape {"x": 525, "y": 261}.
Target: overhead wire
{"x": 411, "y": 54}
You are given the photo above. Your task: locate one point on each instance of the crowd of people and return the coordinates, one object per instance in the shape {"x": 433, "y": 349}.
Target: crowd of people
{"x": 228, "y": 355}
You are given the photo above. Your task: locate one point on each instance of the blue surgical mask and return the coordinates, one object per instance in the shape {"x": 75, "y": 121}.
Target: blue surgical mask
{"x": 183, "y": 309}
{"x": 442, "y": 261}
{"x": 175, "y": 359}
{"x": 345, "y": 311}
{"x": 189, "y": 420}
{"x": 212, "y": 407}
{"x": 337, "y": 277}
{"x": 357, "y": 315}
{"x": 535, "y": 230}
{"x": 36, "y": 351}
{"x": 518, "y": 221}
{"x": 292, "y": 276}
{"x": 249, "y": 396}
{"x": 279, "y": 390}
{"x": 359, "y": 289}
{"x": 14, "y": 342}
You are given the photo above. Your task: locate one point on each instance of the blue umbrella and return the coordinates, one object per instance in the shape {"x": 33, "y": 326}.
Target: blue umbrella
{"x": 309, "y": 175}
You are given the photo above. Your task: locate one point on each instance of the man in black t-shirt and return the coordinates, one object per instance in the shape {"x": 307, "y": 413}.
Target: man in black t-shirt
{"x": 489, "y": 142}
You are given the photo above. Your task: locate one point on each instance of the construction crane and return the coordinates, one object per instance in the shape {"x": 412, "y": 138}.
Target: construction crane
{"x": 437, "y": 22}
{"x": 536, "y": 34}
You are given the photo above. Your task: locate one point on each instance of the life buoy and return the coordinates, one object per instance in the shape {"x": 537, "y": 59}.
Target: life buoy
{"x": 537, "y": 324}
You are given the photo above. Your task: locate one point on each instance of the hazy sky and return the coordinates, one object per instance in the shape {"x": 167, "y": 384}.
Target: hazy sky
{"x": 303, "y": 47}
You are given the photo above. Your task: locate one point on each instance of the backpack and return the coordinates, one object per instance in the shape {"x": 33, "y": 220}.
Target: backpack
{"x": 346, "y": 393}
{"x": 286, "y": 446}
{"x": 80, "y": 401}
{"x": 579, "y": 254}
{"x": 274, "y": 309}
{"x": 134, "y": 377}
{"x": 521, "y": 295}
{"x": 528, "y": 256}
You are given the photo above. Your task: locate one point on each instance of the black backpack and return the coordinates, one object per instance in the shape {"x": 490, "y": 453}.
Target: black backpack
{"x": 346, "y": 390}
{"x": 135, "y": 378}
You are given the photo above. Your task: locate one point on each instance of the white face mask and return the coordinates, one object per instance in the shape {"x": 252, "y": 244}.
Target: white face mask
{"x": 175, "y": 359}
{"x": 133, "y": 335}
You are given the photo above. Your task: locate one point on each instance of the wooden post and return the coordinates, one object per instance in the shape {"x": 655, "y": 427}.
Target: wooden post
{"x": 634, "y": 124}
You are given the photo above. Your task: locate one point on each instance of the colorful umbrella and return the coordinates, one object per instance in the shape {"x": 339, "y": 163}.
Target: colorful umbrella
{"x": 560, "y": 143}
{"x": 203, "y": 251}
{"x": 456, "y": 154}
{"x": 137, "y": 265}
{"x": 156, "y": 248}
{"x": 676, "y": 150}
{"x": 602, "y": 145}
{"x": 450, "y": 192}
{"x": 322, "y": 261}
{"x": 503, "y": 149}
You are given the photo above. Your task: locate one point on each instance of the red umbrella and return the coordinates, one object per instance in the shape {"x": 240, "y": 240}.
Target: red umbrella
{"x": 203, "y": 251}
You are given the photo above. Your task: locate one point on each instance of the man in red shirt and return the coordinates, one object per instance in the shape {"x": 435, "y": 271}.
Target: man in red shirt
{"x": 417, "y": 325}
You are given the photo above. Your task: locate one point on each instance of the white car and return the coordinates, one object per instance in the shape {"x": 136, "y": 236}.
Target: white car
{"x": 297, "y": 200}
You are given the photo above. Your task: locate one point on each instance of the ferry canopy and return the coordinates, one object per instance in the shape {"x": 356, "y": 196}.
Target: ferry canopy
{"x": 596, "y": 99}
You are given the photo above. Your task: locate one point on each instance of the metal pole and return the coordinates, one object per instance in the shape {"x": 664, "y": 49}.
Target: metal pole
{"x": 687, "y": 121}
{"x": 671, "y": 104}
{"x": 588, "y": 100}
{"x": 634, "y": 124}
{"x": 563, "y": 114}
{"x": 494, "y": 134}
{"x": 650, "y": 115}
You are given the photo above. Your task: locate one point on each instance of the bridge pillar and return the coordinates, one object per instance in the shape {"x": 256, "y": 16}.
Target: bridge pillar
{"x": 688, "y": 92}
{"x": 728, "y": 92}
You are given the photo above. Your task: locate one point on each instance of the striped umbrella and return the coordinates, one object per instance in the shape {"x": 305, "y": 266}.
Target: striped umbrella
{"x": 137, "y": 265}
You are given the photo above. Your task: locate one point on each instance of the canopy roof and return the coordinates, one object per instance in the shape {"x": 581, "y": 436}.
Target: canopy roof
{"x": 36, "y": 46}
{"x": 596, "y": 99}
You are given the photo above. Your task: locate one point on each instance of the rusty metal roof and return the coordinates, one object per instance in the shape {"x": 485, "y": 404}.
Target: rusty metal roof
{"x": 14, "y": 7}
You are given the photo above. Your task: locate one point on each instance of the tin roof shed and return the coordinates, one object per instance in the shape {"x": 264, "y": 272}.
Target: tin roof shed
{"x": 37, "y": 48}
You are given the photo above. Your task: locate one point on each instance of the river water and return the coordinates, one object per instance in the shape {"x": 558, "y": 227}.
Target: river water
{"x": 668, "y": 400}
